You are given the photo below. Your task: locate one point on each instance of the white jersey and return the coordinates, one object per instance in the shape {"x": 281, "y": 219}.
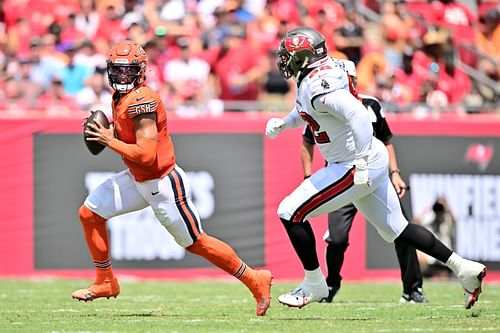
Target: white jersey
{"x": 341, "y": 124}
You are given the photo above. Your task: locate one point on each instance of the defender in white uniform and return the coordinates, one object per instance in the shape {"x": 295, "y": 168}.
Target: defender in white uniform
{"x": 357, "y": 170}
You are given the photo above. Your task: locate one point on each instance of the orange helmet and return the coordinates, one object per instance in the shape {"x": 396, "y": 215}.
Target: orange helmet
{"x": 126, "y": 66}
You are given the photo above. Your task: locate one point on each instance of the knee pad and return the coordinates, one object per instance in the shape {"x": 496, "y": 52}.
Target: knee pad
{"x": 87, "y": 216}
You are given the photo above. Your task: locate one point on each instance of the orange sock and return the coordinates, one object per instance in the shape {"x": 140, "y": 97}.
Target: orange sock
{"x": 223, "y": 256}
{"x": 96, "y": 236}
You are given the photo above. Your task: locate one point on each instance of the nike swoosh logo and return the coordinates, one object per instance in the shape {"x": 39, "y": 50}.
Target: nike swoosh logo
{"x": 155, "y": 193}
{"x": 139, "y": 98}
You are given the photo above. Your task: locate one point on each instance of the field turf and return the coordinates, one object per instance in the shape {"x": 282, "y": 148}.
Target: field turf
{"x": 226, "y": 306}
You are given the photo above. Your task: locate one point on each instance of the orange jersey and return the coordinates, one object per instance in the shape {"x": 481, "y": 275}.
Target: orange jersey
{"x": 140, "y": 101}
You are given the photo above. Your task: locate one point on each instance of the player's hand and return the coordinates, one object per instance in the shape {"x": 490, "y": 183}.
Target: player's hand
{"x": 361, "y": 176}
{"x": 273, "y": 127}
{"x": 85, "y": 119}
{"x": 100, "y": 133}
{"x": 399, "y": 184}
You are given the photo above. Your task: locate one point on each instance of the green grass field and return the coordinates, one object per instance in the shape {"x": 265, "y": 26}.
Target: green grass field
{"x": 226, "y": 306}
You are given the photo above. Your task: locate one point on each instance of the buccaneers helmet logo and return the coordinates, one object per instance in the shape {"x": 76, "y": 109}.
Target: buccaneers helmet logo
{"x": 298, "y": 43}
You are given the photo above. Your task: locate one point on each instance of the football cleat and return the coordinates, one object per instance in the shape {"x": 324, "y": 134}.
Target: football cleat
{"x": 332, "y": 291}
{"x": 471, "y": 276}
{"x": 416, "y": 296}
{"x": 262, "y": 292}
{"x": 108, "y": 288}
{"x": 302, "y": 295}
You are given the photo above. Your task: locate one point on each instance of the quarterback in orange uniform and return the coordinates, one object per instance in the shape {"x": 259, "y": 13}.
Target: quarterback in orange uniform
{"x": 152, "y": 178}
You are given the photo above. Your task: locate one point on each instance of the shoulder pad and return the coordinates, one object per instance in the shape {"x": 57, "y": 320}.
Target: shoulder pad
{"x": 142, "y": 100}
{"x": 327, "y": 78}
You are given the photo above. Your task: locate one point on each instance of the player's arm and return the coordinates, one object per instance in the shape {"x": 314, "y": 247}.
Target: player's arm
{"x": 307, "y": 152}
{"x": 144, "y": 150}
{"x": 384, "y": 133}
{"x": 394, "y": 173}
{"x": 343, "y": 105}
{"x": 274, "y": 126}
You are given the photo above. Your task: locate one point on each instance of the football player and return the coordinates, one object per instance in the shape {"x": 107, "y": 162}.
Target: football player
{"x": 152, "y": 178}
{"x": 340, "y": 220}
{"x": 357, "y": 170}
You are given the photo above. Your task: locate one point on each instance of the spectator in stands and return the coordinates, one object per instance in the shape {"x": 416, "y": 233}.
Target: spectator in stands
{"x": 262, "y": 32}
{"x": 173, "y": 10}
{"x": 275, "y": 89}
{"x": 462, "y": 22}
{"x": 155, "y": 66}
{"x": 348, "y": 37}
{"x": 224, "y": 21}
{"x": 87, "y": 20}
{"x": 70, "y": 33}
{"x": 45, "y": 64}
{"x": 238, "y": 68}
{"x": 488, "y": 36}
{"x": 371, "y": 69}
{"x": 73, "y": 75}
{"x": 30, "y": 91}
{"x": 96, "y": 95}
{"x": 19, "y": 36}
{"x": 406, "y": 78}
{"x": 87, "y": 55}
{"x": 55, "y": 101}
{"x": 397, "y": 27}
{"x": 187, "y": 76}
{"x": 12, "y": 98}
{"x": 110, "y": 28}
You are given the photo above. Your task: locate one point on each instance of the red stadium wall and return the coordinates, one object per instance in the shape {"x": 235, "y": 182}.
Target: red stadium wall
{"x": 282, "y": 172}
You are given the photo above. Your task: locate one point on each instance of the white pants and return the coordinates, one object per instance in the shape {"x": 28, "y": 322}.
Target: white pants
{"x": 332, "y": 187}
{"x": 170, "y": 198}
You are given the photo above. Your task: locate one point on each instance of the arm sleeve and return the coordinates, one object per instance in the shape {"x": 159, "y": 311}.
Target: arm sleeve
{"x": 380, "y": 127}
{"x": 293, "y": 119}
{"x": 143, "y": 152}
{"x": 342, "y": 105}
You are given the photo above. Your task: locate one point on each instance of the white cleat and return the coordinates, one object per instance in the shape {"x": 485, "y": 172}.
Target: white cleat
{"x": 300, "y": 296}
{"x": 471, "y": 277}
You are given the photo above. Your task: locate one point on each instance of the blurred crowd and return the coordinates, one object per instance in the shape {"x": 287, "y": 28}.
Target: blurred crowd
{"x": 216, "y": 55}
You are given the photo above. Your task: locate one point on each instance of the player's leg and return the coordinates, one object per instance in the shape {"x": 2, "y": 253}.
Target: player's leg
{"x": 326, "y": 190}
{"x": 411, "y": 275}
{"x": 382, "y": 209}
{"x": 175, "y": 210}
{"x": 115, "y": 196}
{"x": 339, "y": 225}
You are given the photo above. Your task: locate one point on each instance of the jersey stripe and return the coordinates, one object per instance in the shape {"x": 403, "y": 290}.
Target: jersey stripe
{"x": 141, "y": 108}
{"x": 189, "y": 218}
{"x": 323, "y": 196}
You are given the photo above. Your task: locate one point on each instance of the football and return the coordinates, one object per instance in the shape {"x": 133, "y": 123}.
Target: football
{"x": 100, "y": 117}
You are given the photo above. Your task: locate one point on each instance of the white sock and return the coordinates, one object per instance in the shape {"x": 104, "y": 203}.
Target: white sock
{"x": 313, "y": 276}
{"x": 454, "y": 262}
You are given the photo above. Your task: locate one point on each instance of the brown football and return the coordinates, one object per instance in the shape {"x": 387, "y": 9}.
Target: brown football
{"x": 100, "y": 117}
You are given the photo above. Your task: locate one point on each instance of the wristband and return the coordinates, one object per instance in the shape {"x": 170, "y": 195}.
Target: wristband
{"x": 394, "y": 171}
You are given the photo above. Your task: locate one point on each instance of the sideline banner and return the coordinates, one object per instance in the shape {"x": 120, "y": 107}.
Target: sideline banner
{"x": 239, "y": 177}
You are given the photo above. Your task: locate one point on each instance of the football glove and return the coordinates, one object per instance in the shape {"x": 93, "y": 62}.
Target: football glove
{"x": 273, "y": 127}
{"x": 361, "y": 176}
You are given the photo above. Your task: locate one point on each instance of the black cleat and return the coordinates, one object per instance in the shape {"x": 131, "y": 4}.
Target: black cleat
{"x": 332, "y": 291}
{"x": 416, "y": 296}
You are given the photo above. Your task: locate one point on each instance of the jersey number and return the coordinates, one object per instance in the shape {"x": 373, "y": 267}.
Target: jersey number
{"x": 319, "y": 137}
